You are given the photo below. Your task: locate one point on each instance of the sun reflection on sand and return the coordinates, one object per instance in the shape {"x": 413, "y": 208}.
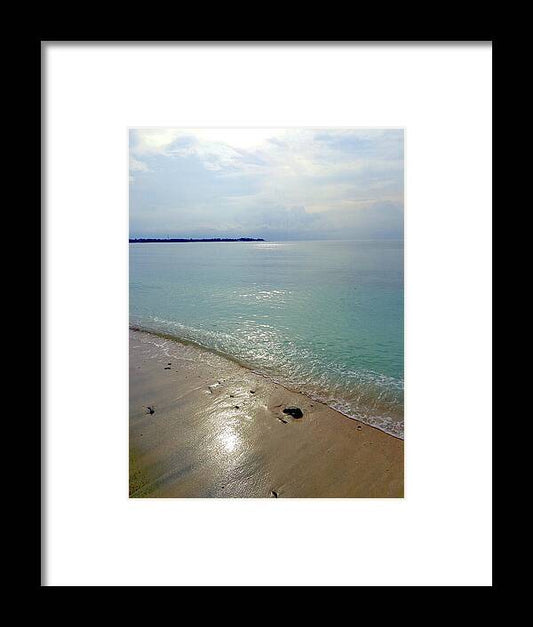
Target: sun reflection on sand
{"x": 230, "y": 440}
{"x": 228, "y": 435}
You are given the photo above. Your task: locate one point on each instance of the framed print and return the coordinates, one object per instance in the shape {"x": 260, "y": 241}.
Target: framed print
{"x": 267, "y": 313}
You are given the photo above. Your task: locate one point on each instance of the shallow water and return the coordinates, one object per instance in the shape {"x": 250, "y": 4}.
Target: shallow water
{"x": 325, "y": 318}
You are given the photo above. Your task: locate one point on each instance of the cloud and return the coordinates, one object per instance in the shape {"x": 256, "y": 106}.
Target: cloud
{"x": 272, "y": 183}
{"x": 138, "y": 166}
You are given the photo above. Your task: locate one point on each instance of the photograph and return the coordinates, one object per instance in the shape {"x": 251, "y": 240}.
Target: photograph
{"x": 266, "y": 312}
{"x": 267, "y": 325}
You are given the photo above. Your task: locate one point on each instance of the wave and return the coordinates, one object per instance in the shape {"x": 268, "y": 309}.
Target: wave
{"x": 366, "y": 396}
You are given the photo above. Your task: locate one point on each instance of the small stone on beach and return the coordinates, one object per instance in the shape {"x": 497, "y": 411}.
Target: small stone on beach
{"x": 274, "y": 494}
{"x": 150, "y": 410}
{"x": 295, "y": 412}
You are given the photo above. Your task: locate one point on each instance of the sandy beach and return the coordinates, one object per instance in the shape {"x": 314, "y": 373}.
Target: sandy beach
{"x": 204, "y": 426}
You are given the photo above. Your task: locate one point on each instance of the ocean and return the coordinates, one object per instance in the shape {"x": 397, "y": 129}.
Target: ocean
{"x": 321, "y": 317}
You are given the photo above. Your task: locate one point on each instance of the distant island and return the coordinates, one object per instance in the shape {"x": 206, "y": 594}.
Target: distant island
{"x": 143, "y": 240}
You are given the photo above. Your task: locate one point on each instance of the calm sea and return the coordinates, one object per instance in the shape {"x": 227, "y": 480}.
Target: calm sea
{"x": 324, "y": 318}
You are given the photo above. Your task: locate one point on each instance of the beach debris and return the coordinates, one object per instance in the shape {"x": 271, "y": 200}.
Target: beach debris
{"x": 295, "y": 412}
{"x": 150, "y": 410}
{"x": 282, "y": 420}
{"x": 252, "y": 391}
{"x": 359, "y": 428}
{"x": 167, "y": 367}
{"x": 236, "y": 407}
{"x": 273, "y": 494}
{"x": 232, "y": 395}
{"x": 169, "y": 363}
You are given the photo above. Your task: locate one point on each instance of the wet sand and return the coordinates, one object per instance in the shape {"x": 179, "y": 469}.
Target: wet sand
{"x": 204, "y": 426}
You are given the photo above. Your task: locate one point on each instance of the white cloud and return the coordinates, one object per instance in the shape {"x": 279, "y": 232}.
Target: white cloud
{"x": 218, "y": 172}
{"x": 138, "y": 166}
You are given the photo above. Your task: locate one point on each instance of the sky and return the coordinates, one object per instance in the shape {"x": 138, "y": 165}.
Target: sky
{"x": 277, "y": 184}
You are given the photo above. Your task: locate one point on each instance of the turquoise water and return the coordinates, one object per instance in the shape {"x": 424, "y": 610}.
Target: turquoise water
{"x": 324, "y": 318}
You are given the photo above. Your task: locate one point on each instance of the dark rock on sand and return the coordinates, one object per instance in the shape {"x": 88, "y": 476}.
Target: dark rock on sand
{"x": 150, "y": 410}
{"x": 167, "y": 367}
{"x": 274, "y": 494}
{"x": 295, "y": 412}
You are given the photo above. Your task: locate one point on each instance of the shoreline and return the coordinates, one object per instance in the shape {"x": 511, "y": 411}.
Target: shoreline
{"x": 188, "y": 342}
{"x": 203, "y": 425}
